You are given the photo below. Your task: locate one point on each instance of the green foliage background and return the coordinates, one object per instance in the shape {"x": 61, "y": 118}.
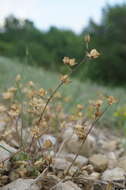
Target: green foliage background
{"x": 23, "y": 40}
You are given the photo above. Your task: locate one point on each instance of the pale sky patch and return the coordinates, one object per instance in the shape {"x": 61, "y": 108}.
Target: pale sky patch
{"x": 71, "y": 14}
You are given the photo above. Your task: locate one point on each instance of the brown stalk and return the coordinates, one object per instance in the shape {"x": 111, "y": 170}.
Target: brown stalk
{"x": 90, "y": 129}
{"x": 16, "y": 127}
{"x": 56, "y": 89}
{"x": 22, "y": 126}
{"x": 48, "y": 101}
{"x": 53, "y": 93}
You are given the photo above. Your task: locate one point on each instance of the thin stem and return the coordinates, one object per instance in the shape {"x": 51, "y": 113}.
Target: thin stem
{"x": 49, "y": 99}
{"x": 90, "y": 129}
{"x": 22, "y": 126}
{"x": 29, "y": 149}
{"x": 16, "y": 127}
{"x": 41, "y": 176}
{"x": 59, "y": 85}
{"x": 5, "y": 148}
{"x": 53, "y": 93}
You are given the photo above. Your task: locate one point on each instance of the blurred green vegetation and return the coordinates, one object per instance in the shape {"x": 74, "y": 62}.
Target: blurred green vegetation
{"x": 109, "y": 38}
{"x": 22, "y": 40}
{"x": 77, "y": 92}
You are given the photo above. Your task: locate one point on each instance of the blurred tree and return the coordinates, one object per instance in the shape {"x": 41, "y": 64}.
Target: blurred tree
{"x": 47, "y": 49}
{"x": 109, "y": 38}
{"x": 11, "y": 23}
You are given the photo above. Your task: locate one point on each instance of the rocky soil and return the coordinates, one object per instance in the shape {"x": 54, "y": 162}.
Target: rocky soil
{"x": 100, "y": 165}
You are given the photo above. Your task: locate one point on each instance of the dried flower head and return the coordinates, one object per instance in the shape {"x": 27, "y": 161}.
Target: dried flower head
{"x": 48, "y": 143}
{"x": 80, "y": 114}
{"x": 30, "y": 93}
{"x": 14, "y": 110}
{"x": 7, "y": 95}
{"x": 72, "y": 62}
{"x": 35, "y": 131}
{"x": 87, "y": 38}
{"x": 58, "y": 95}
{"x": 111, "y": 100}
{"x": 65, "y": 79}
{"x": 12, "y": 89}
{"x": 98, "y": 103}
{"x": 31, "y": 83}
{"x": 80, "y": 131}
{"x": 68, "y": 61}
{"x": 42, "y": 92}
{"x": 2, "y": 108}
{"x": 35, "y": 105}
{"x": 80, "y": 107}
{"x": 98, "y": 113}
{"x": 93, "y": 54}
{"x": 18, "y": 77}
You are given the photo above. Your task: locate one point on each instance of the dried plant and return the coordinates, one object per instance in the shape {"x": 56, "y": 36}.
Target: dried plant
{"x": 30, "y": 112}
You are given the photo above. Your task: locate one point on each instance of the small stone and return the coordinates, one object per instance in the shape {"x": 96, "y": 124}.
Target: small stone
{"x": 73, "y": 143}
{"x": 69, "y": 185}
{"x": 110, "y": 145}
{"x": 13, "y": 175}
{"x": 114, "y": 174}
{"x": 120, "y": 152}
{"x": 80, "y": 161}
{"x": 112, "y": 160}
{"x": 21, "y": 184}
{"x": 60, "y": 164}
{"x": 2, "y": 125}
{"x": 4, "y": 153}
{"x": 13, "y": 143}
{"x": 72, "y": 170}
{"x": 48, "y": 181}
{"x": 84, "y": 173}
{"x": 3, "y": 180}
{"x": 99, "y": 161}
{"x": 122, "y": 163}
{"x": 95, "y": 176}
